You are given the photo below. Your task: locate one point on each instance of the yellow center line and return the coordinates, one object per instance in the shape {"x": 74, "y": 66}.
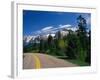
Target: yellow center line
{"x": 37, "y": 62}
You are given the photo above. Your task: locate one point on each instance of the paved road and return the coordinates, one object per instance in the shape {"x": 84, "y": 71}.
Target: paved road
{"x": 37, "y": 61}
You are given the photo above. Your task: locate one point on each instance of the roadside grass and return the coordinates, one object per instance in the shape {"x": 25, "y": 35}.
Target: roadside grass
{"x": 78, "y": 62}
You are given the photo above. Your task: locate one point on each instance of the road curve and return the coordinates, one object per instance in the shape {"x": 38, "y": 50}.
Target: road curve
{"x": 39, "y": 60}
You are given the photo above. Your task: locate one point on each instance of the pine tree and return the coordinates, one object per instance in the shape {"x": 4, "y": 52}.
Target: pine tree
{"x": 82, "y": 35}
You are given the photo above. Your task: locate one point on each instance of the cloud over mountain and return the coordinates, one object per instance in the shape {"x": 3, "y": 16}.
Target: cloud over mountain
{"x": 47, "y": 28}
{"x": 64, "y": 26}
{"x": 53, "y": 29}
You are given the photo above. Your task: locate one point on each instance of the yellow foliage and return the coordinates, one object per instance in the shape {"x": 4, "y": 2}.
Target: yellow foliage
{"x": 61, "y": 43}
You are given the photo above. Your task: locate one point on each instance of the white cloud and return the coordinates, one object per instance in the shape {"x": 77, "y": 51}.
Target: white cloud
{"x": 64, "y": 26}
{"x": 52, "y": 29}
{"x": 47, "y": 28}
{"x": 68, "y": 27}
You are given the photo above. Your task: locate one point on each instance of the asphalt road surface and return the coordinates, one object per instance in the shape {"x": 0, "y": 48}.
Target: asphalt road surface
{"x": 39, "y": 60}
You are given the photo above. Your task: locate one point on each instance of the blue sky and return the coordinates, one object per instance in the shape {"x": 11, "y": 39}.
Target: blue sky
{"x": 37, "y": 22}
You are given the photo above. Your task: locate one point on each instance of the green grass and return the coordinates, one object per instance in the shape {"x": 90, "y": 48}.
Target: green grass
{"x": 78, "y": 62}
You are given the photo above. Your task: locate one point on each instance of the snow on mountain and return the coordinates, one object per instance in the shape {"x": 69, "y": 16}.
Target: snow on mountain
{"x": 64, "y": 30}
{"x": 64, "y": 33}
{"x": 28, "y": 38}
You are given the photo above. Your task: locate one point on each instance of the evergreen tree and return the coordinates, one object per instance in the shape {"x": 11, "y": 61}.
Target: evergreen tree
{"x": 42, "y": 46}
{"x": 82, "y": 35}
{"x": 50, "y": 39}
{"x": 88, "y": 58}
{"x": 71, "y": 46}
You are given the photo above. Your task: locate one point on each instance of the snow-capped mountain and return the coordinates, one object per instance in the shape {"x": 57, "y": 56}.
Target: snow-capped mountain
{"x": 37, "y": 38}
{"x": 27, "y": 39}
